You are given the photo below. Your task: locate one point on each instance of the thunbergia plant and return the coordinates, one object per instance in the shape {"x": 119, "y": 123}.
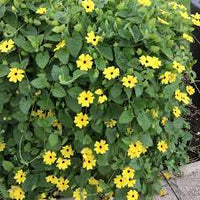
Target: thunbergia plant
{"x": 93, "y": 96}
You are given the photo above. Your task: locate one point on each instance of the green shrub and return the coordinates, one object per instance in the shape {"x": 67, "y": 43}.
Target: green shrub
{"x": 92, "y": 96}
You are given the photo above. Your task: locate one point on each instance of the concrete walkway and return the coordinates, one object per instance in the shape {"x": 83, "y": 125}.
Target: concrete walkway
{"x": 186, "y": 187}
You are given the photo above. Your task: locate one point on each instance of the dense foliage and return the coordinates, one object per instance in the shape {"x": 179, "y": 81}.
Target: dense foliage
{"x": 93, "y": 96}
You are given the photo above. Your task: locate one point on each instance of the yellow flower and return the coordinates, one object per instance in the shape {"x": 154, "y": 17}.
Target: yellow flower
{"x": 111, "y": 72}
{"x": 80, "y": 194}
{"x": 67, "y": 151}
{"x": 86, "y": 152}
{"x": 162, "y": 146}
{"x": 63, "y": 164}
{"x": 168, "y": 77}
{"x": 178, "y": 95}
{"x": 163, "y": 121}
{"x": 136, "y": 149}
{"x": 93, "y": 181}
{"x": 162, "y": 192}
{"x": 20, "y": 177}
{"x": 49, "y": 157}
{"x": 57, "y": 124}
{"x": 85, "y": 98}
{"x": 162, "y": 21}
{"x": 154, "y": 113}
{"x": 81, "y": 120}
{"x": 89, "y": 162}
{"x": 196, "y": 16}
{"x": 111, "y": 123}
{"x": 43, "y": 196}
{"x": 167, "y": 175}
{"x": 129, "y": 81}
{"x": 101, "y": 147}
{"x": 176, "y": 112}
{"x": 88, "y": 5}
{"x": 92, "y": 38}
{"x": 6, "y": 45}
{"x": 60, "y": 45}
{"x": 131, "y": 182}
{"x": 184, "y": 15}
{"x": 16, "y": 193}
{"x": 2, "y": 146}
{"x": 102, "y": 98}
{"x": 39, "y": 113}
{"x": 132, "y": 195}
{"x": 149, "y": 61}
{"x": 144, "y": 2}
{"x": 120, "y": 181}
{"x": 41, "y": 11}
{"x": 52, "y": 179}
{"x": 185, "y": 99}
{"x": 190, "y": 90}
{"x": 15, "y": 75}
{"x": 128, "y": 172}
{"x": 188, "y": 37}
{"x": 84, "y": 62}
{"x": 180, "y": 68}
{"x": 62, "y": 184}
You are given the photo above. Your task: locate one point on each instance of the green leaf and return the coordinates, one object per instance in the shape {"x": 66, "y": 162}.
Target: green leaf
{"x": 62, "y": 55}
{"x": 36, "y": 41}
{"x": 58, "y": 91}
{"x": 100, "y": 63}
{"x": 7, "y": 165}
{"x": 146, "y": 140}
{"x": 138, "y": 90}
{"x": 144, "y": 120}
{"x": 75, "y": 44}
{"x": 106, "y": 51}
{"x": 40, "y": 82}
{"x": 3, "y": 70}
{"x": 102, "y": 160}
{"x": 116, "y": 90}
{"x": 25, "y": 105}
{"x": 126, "y": 117}
{"x": 53, "y": 140}
{"x": 42, "y": 59}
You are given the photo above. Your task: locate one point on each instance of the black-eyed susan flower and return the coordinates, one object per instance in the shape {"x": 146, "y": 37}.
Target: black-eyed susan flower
{"x": 149, "y": 61}
{"x": 89, "y": 162}
{"x": 2, "y": 146}
{"x": 80, "y": 194}
{"x": 184, "y": 15}
{"x": 81, "y": 120}
{"x": 86, "y": 152}
{"x": 15, "y": 75}
{"x": 136, "y": 149}
{"x": 111, "y": 72}
{"x": 110, "y": 123}
{"x": 63, "y": 163}
{"x": 20, "y": 177}
{"x": 6, "y": 45}
{"x": 101, "y": 147}
{"x": 102, "y": 97}
{"x": 132, "y": 195}
{"x": 52, "y": 179}
{"x": 178, "y": 66}
{"x": 92, "y": 38}
{"x": 16, "y": 192}
{"x": 176, "y": 112}
{"x": 120, "y": 181}
{"x": 162, "y": 192}
{"x": 168, "y": 77}
{"x": 128, "y": 172}
{"x": 145, "y": 2}
{"x": 167, "y": 175}
{"x": 85, "y": 98}
{"x": 49, "y": 157}
{"x": 190, "y": 90}
{"x": 57, "y": 124}
{"x": 84, "y": 62}
{"x": 67, "y": 151}
{"x": 164, "y": 121}
{"x": 88, "y": 5}
{"x": 41, "y": 11}
{"x": 131, "y": 182}
{"x": 60, "y": 45}
{"x": 188, "y": 37}
{"x": 129, "y": 81}
{"x": 62, "y": 184}
{"x": 162, "y": 146}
